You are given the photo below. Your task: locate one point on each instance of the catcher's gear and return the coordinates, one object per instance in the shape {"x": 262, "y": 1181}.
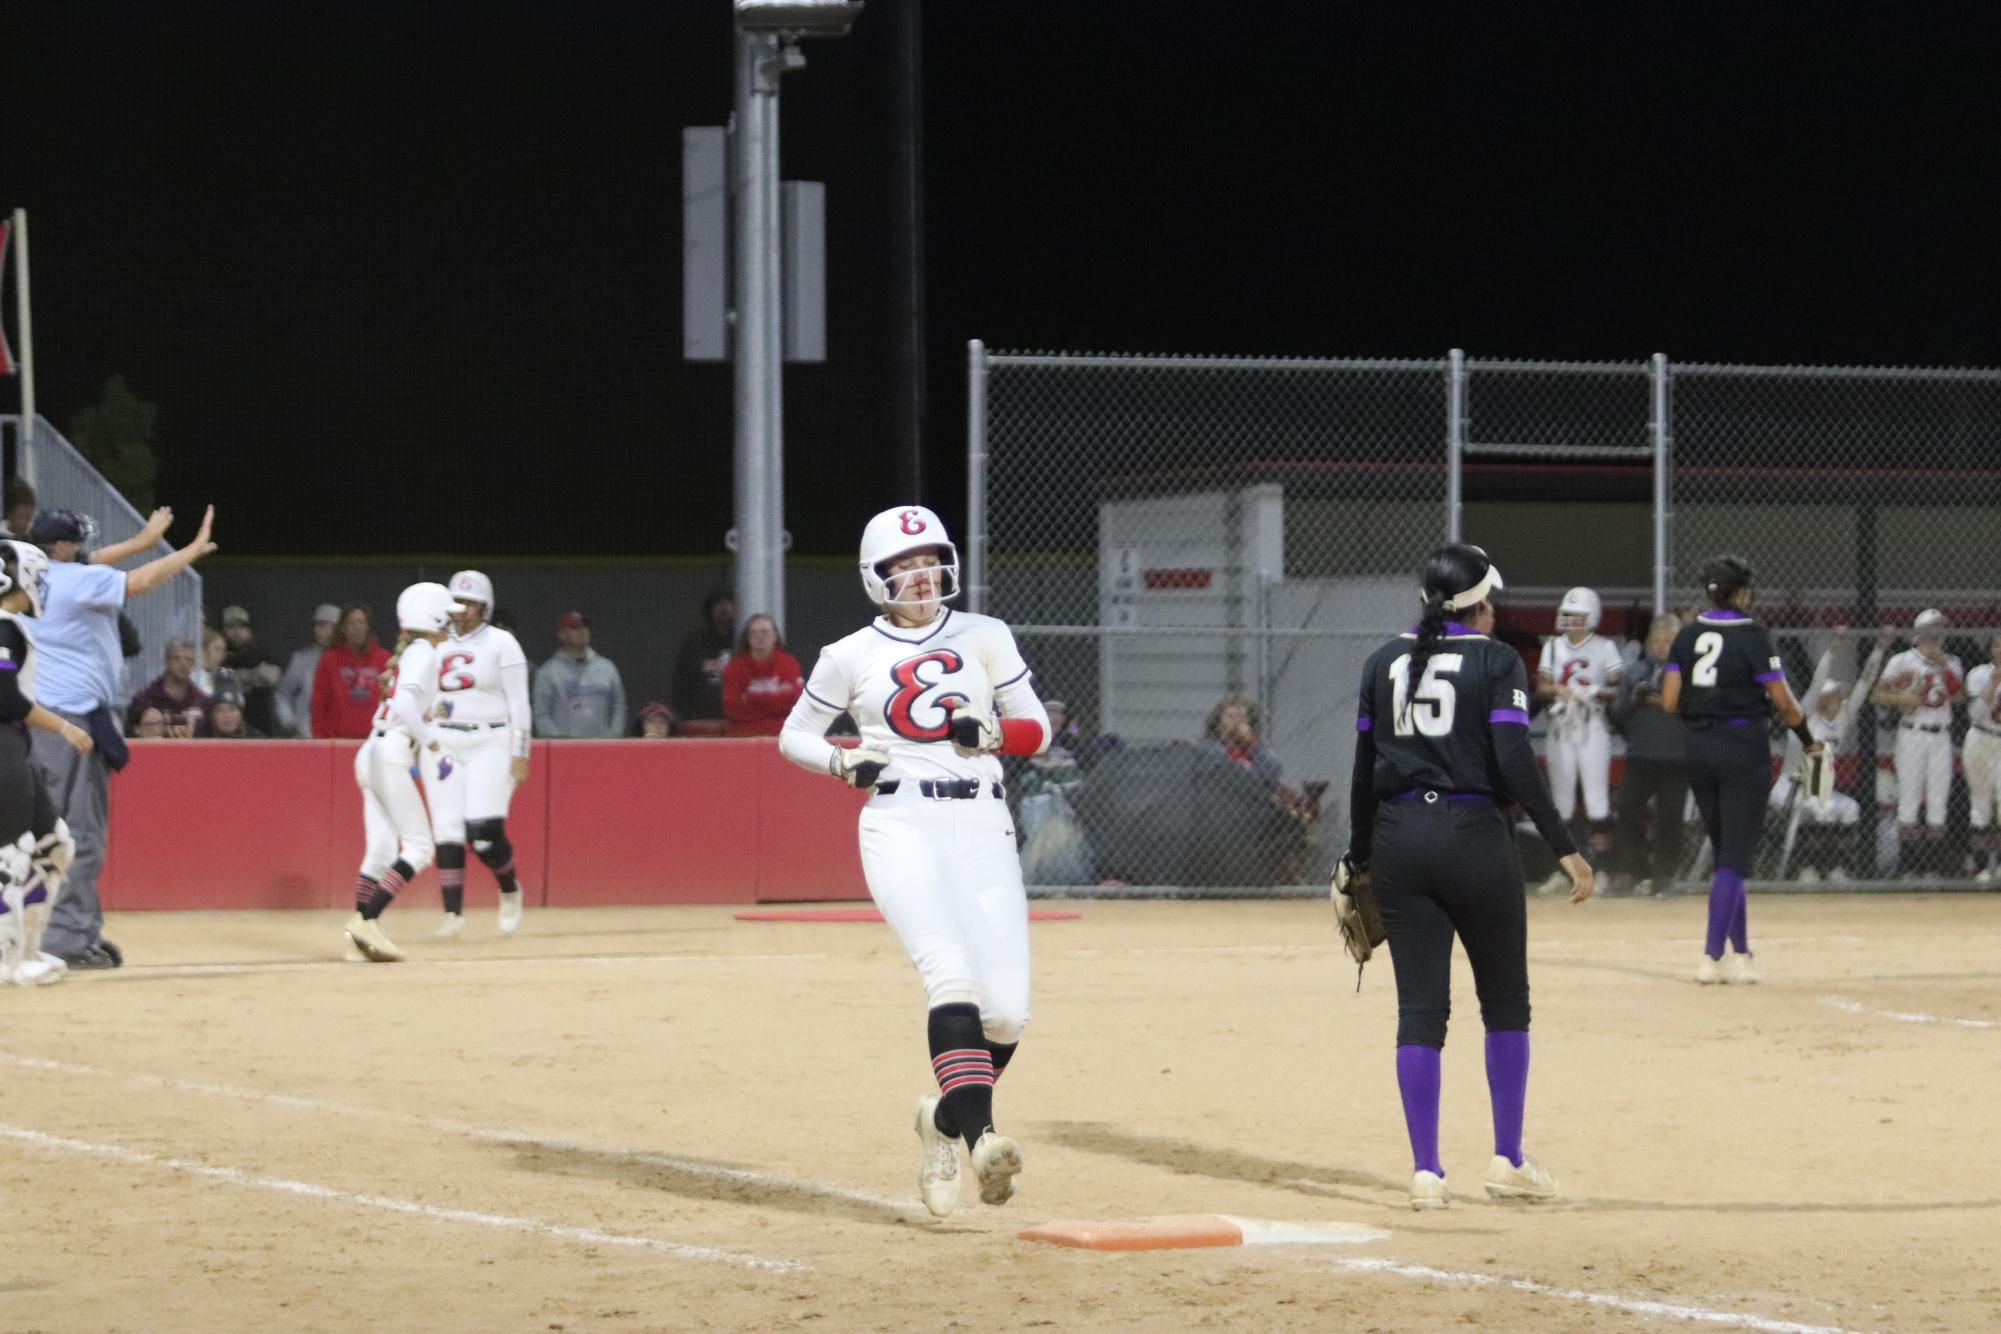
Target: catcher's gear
{"x": 1724, "y": 575}
{"x": 1356, "y": 912}
{"x": 54, "y": 851}
{"x": 1579, "y": 610}
{"x": 859, "y": 767}
{"x": 27, "y": 568}
{"x": 898, "y": 532}
{"x": 974, "y": 731}
{"x": 1817, "y": 777}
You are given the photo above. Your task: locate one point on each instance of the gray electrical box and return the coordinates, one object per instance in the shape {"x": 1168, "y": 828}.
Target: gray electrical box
{"x": 705, "y": 244}
{"x": 803, "y": 243}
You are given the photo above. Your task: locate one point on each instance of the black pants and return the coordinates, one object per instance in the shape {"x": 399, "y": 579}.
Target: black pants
{"x": 1730, "y": 772}
{"x": 25, "y": 807}
{"x": 1665, "y": 783}
{"x": 1443, "y": 868}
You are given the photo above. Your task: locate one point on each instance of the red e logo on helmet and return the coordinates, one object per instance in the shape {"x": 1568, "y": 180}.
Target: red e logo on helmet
{"x": 913, "y": 522}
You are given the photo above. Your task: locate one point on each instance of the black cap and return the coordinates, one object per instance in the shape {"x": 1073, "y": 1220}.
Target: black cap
{"x": 53, "y": 526}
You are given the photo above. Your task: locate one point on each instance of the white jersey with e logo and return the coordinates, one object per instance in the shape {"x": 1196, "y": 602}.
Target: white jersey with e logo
{"x": 1936, "y": 685}
{"x": 900, "y": 685}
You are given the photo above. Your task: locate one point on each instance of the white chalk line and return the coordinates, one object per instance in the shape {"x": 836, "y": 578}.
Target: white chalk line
{"x": 1632, "y": 1305}
{"x": 1848, "y": 1006}
{"x": 485, "y": 1134}
{"x": 437, "y": 1213}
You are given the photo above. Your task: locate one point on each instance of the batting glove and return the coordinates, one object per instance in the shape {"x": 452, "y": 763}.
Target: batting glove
{"x": 974, "y": 731}
{"x": 859, "y": 767}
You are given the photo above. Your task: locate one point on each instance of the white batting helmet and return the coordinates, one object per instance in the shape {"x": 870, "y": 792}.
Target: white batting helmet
{"x": 426, "y": 608}
{"x": 31, "y": 569}
{"x": 472, "y": 586}
{"x": 1579, "y": 610}
{"x": 898, "y": 532}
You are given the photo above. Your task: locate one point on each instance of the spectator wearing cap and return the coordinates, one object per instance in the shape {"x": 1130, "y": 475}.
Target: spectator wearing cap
{"x": 293, "y": 700}
{"x": 705, "y": 652}
{"x": 182, "y": 704}
{"x": 227, "y": 719}
{"x": 256, "y": 671}
{"x": 761, "y": 682}
{"x": 347, "y": 685}
{"x": 77, "y": 647}
{"x": 656, "y": 722}
{"x": 578, "y": 691}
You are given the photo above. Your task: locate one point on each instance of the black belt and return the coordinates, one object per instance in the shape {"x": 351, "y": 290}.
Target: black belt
{"x": 1922, "y": 727}
{"x": 469, "y": 727}
{"x": 1432, "y": 795}
{"x": 942, "y": 789}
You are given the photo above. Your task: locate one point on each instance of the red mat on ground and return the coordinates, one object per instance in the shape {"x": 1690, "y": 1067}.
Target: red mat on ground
{"x": 871, "y": 915}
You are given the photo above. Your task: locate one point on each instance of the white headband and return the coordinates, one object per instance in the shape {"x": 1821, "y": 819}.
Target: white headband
{"x": 1477, "y": 594}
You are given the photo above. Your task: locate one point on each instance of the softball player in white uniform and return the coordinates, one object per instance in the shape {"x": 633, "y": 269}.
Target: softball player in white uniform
{"x": 385, "y": 768}
{"x": 1921, "y": 683}
{"x": 1578, "y": 675}
{"x": 1982, "y": 760}
{"x": 484, "y": 729}
{"x": 937, "y": 694}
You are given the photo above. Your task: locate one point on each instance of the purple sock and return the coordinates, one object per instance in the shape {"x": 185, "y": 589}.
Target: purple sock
{"x": 1417, "y": 1078}
{"x": 1508, "y": 1089}
{"x": 1726, "y": 890}
{"x": 1740, "y": 928}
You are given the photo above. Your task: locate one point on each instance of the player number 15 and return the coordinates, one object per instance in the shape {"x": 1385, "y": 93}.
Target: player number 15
{"x": 1430, "y": 713}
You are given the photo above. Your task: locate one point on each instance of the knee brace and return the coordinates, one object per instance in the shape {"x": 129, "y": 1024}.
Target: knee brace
{"x": 489, "y": 840}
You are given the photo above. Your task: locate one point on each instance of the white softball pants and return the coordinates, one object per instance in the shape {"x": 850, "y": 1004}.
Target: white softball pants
{"x": 477, "y": 785}
{"x": 1982, "y": 758}
{"x": 947, "y": 879}
{"x": 1583, "y": 759}
{"x": 392, "y": 813}
{"x": 1924, "y": 775}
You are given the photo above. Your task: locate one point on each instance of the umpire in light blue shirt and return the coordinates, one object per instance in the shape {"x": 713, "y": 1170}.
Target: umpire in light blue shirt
{"x": 77, "y": 647}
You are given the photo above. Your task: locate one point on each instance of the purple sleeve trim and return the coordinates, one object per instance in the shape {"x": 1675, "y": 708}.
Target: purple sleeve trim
{"x": 1508, "y": 716}
{"x": 9, "y": 665}
{"x": 1365, "y": 724}
{"x": 1763, "y": 677}
{"x": 1674, "y": 667}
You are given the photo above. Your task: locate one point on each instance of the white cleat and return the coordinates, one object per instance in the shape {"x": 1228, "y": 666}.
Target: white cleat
{"x": 1737, "y": 969}
{"x": 510, "y": 913}
{"x": 1985, "y": 876}
{"x": 1530, "y": 1181}
{"x": 1427, "y": 1191}
{"x": 938, "y": 1161}
{"x": 451, "y": 928}
{"x": 368, "y": 938}
{"x": 1558, "y": 883}
{"x": 1708, "y": 972}
{"x": 41, "y": 971}
{"x": 996, "y": 1160}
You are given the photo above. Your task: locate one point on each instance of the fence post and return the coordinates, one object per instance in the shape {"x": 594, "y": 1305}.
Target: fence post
{"x": 975, "y": 555}
{"x": 1455, "y": 439}
{"x": 1663, "y": 442}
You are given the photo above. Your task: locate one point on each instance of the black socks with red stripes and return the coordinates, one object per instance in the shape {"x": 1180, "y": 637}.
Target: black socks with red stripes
{"x": 964, "y": 1063}
{"x": 452, "y": 876}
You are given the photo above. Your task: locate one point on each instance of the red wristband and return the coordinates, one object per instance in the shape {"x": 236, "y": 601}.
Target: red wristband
{"x": 1020, "y": 736}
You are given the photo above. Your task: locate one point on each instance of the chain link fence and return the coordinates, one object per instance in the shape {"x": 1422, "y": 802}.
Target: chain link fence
{"x": 1186, "y": 543}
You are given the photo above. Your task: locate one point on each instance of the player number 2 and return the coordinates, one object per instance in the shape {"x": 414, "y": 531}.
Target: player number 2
{"x": 1430, "y": 712}
{"x": 1708, "y": 648}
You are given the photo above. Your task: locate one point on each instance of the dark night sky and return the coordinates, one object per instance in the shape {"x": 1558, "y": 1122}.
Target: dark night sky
{"x": 406, "y": 277}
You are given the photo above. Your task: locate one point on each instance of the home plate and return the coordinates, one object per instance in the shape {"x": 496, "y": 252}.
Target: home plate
{"x": 871, "y": 915}
{"x": 1180, "y": 1232}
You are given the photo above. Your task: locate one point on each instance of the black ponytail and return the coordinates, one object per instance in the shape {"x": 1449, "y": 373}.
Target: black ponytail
{"x": 1430, "y": 632}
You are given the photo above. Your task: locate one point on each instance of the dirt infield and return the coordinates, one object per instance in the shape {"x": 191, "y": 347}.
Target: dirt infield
{"x": 665, "y": 1119}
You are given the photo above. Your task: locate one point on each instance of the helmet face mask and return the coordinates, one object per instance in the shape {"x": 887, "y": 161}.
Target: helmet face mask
{"x": 31, "y": 574}
{"x": 893, "y": 536}
{"x": 1579, "y": 612}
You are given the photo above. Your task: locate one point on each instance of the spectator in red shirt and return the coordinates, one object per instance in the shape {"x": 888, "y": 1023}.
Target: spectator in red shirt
{"x": 346, "y": 685}
{"x": 761, "y": 681}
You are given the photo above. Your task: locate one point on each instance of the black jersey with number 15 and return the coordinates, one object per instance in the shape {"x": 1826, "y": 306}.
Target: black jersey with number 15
{"x": 1725, "y": 659}
{"x": 1437, "y": 732}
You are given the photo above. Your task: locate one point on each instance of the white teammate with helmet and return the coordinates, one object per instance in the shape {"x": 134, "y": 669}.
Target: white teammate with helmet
{"x": 484, "y": 731}
{"x": 397, "y": 829}
{"x": 35, "y": 844}
{"x": 1922, "y": 683}
{"x": 1982, "y": 761}
{"x": 1578, "y": 675}
{"x": 937, "y": 695}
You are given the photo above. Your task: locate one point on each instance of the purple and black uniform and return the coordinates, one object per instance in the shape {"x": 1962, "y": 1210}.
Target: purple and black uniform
{"x": 1726, "y": 660}
{"x": 24, "y": 799}
{"x": 1436, "y": 761}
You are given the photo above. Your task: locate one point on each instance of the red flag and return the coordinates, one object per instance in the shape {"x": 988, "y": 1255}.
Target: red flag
{"x": 6, "y": 354}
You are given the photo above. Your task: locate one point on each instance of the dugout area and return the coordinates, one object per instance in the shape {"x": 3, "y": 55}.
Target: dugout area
{"x": 667, "y": 1119}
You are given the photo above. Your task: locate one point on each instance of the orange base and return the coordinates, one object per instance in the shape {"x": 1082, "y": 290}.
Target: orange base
{"x": 1171, "y": 1232}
